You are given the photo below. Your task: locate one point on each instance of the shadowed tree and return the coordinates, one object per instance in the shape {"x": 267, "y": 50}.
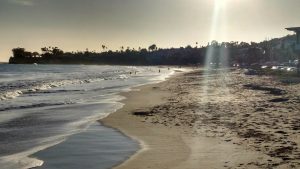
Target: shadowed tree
{"x": 18, "y": 52}
{"x": 35, "y": 54}
{"x": 57, "y": 52}
{"x": 122, "y": 48}
{"x": 253, "y": 55}
{"x": 188, "y": 47}
{"x": 235, "y": 51}
{"x": 45, "y": 50}
{"x": 103, "y": 47}
{"x": 143, "y": 51}
{"x": 152, "y": 47}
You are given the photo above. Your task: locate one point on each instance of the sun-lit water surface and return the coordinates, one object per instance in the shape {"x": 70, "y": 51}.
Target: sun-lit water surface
{"x": 42, "y": 105}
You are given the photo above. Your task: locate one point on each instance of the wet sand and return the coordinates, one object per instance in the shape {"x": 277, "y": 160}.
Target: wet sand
{"x": 96, "y": 147}
{"x": 217, "y": 120}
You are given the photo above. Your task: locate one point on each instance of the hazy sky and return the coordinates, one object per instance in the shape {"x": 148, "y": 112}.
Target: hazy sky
{"x": 80, "y": 24}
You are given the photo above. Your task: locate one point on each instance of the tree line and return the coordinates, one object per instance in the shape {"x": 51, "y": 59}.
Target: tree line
{"x": 243, "y": 53}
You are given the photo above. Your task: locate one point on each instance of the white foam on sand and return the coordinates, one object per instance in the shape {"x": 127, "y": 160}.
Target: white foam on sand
{"x": 23, "y": 160}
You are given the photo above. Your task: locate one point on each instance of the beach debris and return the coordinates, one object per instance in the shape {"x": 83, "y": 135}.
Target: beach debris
{"x": 273, "y": 91}
{"x": 259, "y": 109}
{"x": 279, "y": 100}
{"x": 281, "y": 152}
{"x": 251, "y": 133}
{"x": 142, "y": 112}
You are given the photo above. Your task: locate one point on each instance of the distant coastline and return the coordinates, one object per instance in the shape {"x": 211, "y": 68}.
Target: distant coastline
{"x": 279, "y": 50}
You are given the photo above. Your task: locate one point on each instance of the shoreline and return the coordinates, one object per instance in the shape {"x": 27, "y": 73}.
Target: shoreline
{"x": 161, "y": 142}
{"x": 72, "y": 153}
{"x": 45, "y": 154}
{"x": 181, "y": 124}
{"x": 135, "y": 101}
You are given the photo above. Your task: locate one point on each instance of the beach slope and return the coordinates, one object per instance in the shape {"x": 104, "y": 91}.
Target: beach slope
{"x": 197, "y": 120}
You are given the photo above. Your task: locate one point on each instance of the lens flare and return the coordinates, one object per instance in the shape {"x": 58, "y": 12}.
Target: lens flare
{"x": 215, "y": 74}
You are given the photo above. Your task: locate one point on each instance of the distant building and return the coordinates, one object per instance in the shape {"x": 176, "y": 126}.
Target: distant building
{"x": 297, "y": 31}
{"x": 297, "y": 45}
{"x": 287, "y": 43}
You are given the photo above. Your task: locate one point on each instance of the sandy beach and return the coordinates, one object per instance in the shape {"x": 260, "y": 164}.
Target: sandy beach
{"x": 150, "y": 84}
{"x": 212, "y": 120}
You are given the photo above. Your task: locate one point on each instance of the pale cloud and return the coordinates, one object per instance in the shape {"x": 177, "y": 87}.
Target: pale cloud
{"x": 23, "y": 2}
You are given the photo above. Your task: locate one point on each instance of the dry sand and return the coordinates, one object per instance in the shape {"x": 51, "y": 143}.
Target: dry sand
{"x": 212, "y": 120}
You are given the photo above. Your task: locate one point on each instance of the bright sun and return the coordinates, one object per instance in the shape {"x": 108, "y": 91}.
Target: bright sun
{"x": 220, "y": 3}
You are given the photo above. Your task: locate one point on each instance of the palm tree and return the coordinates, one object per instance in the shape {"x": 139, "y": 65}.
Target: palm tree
{"x": 122, "y": 48}
{"x": 103, "y": 47}
{"x": 152, "y": 47}
{"x": 44, "y": 50}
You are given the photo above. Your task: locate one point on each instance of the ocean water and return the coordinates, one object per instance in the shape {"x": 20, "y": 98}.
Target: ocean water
{"x": 44, "y": 105}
